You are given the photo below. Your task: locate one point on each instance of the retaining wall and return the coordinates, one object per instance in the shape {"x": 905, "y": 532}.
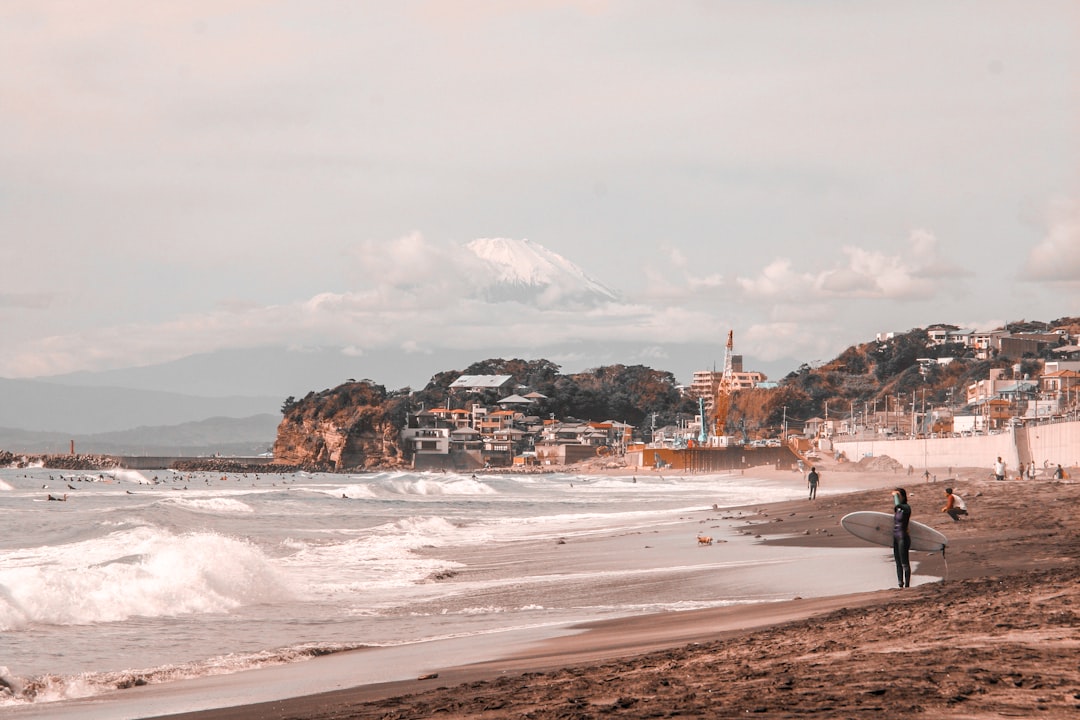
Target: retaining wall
{"x": 1050, "y": 443}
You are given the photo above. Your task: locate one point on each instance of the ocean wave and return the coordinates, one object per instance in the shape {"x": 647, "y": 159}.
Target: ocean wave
{"x": 131, "y": 476}
{"x": 444, "y": 485}
{"x": 212, "y": 504}
{"x": 54, "y": 688}
{"x": 141, "y": 572}
{"x": 383, "y": 557}
{"x": 349, "y": 492}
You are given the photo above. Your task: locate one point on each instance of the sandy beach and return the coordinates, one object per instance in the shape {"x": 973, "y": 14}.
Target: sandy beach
{"x": 994, "y": 634}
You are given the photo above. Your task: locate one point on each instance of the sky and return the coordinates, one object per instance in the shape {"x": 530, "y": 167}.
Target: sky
{"x": 185, "y": 178}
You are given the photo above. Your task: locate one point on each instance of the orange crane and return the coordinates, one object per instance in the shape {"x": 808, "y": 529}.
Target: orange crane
{"x": 723, "y": 388}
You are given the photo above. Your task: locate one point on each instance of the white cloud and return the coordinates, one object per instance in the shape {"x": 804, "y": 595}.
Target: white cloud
{"x": 418, "y": 295}
{"x": 777, "y": 280}
{"x": 918, "y": 273}
{"x": 1057, "y": 256}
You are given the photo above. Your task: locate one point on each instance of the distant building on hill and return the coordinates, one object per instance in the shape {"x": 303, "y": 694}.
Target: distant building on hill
{"x": 479, "y": 383}
{"x": 705, "y": 382}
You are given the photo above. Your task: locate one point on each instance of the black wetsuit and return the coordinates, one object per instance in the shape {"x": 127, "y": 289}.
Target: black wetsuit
{"x": 901, "y": 543}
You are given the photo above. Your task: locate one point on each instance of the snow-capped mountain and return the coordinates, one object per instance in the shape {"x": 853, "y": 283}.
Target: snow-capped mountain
{"x": 524, "y": 271}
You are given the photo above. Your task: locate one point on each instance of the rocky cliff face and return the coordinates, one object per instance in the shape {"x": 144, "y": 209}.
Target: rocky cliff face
{"x": 344, "y": 428}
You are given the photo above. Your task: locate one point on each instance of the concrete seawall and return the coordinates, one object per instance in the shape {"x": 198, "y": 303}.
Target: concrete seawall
{"x": 1051, "y": 443}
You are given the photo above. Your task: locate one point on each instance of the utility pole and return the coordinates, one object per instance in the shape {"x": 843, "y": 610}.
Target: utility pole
{"x": 912, "y": 413}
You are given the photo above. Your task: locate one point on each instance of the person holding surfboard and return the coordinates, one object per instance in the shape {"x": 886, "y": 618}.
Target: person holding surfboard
{"x": 901, "y": 544}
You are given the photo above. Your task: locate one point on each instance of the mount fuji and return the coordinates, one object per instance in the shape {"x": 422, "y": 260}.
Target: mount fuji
{"x": 526, "y": 272}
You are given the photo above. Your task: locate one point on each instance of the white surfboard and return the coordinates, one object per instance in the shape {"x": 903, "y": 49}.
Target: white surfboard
{"x": 877, "y": 527}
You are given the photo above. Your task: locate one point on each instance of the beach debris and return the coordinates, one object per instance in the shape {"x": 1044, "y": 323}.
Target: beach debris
{"x": 428, "y": 676}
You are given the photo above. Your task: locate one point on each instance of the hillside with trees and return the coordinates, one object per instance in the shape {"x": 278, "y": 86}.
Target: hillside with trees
{"x": 875, "y": 373}
{"x": 907, "y": 368}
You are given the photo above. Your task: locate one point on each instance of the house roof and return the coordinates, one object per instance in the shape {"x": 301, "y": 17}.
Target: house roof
{"x": 480, "y": 382}
{"x": 464, "y": 431}
{"x": 515, "y": 400}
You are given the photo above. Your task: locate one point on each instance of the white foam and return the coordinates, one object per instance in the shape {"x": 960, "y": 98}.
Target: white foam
{"x": 142, "y": 572}
{"x": 131, "y": 476}
{"x": 351, "y": 492}
{"x": 213, "y": 504}
{"x": 383, "y": 557}
{"x": 448, "y": 485}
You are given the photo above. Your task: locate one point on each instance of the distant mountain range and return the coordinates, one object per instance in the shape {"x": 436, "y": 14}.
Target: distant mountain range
{"x": 247, "y": 437}
{"x": 80, "y": 410}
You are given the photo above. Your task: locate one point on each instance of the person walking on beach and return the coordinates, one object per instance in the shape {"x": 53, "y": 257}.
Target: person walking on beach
{"x": 999, "y": 469}
{"x": 812, "y": 481}
{"x": 901, "y": 543}
{"x": 954, "y": 505}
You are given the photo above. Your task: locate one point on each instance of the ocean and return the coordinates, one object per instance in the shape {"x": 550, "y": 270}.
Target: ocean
{"x": 148, "y": 578}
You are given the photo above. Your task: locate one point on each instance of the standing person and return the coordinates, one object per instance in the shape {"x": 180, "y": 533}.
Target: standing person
{"x": 954, "y": 505}
{"x": 999, "y": 469}
{"x": 812, "y": 481}
{"x": 1031, "y": 470}
{"x": 901, "y": 543}
{"x": 1059, "y": 474}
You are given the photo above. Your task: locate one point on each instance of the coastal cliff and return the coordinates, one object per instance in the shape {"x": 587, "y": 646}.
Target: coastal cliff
{"x": 346, "y": 428}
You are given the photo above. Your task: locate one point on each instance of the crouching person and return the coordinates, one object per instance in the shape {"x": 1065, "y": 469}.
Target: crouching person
{"x": 954, "y": 505}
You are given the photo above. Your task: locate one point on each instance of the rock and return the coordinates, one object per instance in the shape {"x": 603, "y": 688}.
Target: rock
{"x": 346, "y": 428}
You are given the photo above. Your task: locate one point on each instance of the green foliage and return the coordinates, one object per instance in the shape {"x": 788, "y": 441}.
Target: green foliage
{"x": 861, "y": 375}
{"x": 898, "y": 354}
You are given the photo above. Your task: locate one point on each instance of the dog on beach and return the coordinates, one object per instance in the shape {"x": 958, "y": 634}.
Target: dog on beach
{"x": 704, "y": 540}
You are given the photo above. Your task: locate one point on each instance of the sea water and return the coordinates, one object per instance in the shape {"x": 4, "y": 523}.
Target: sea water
{"x": 130, "y": 578}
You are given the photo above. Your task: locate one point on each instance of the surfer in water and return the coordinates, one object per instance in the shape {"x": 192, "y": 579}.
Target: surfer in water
{"x": 901, "y": 543}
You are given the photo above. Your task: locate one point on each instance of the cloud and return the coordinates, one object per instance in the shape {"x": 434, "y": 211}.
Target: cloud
{"x": 918, "y": 273}
{"x": 418, "y": 295}
{"x": 776, "y": 281}
{"x": 676, "y": 279}
{"x": 414, "y": 294}
{"x": 27, "y": 300}
{"x": 774, "y": 340}
{"x": 1056, "y": 257}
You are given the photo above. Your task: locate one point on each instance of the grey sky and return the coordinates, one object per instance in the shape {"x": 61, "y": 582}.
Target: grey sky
{"x": 186, "y": 177}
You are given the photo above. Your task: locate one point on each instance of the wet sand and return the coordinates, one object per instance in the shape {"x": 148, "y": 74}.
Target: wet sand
{"x": 997, "y": 637}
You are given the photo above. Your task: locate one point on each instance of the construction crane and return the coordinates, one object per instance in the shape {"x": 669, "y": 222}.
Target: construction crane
{"x": 724, "y": 387}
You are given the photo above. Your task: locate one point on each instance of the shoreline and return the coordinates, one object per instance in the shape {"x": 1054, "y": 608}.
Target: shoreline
{"x": 1005, "y": 564}
{"x": 997, "y": 540}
